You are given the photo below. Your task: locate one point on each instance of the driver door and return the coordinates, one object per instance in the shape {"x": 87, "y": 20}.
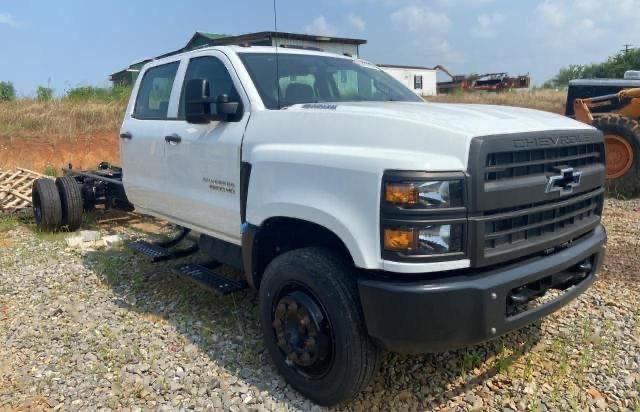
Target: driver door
{"x": 203, "y": 160}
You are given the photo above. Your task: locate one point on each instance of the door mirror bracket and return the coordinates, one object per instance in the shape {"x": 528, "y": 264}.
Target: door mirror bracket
{"x": 225, "y": 109}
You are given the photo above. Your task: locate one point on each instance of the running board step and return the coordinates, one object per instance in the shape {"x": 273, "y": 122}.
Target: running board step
{"x": 211, "y": 280}
{"x": 158, "y": 253}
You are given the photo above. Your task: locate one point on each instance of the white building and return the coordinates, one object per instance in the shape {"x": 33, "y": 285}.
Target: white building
{"x": 422, "y": 80}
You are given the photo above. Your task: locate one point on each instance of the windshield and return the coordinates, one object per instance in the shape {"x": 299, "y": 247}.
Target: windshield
{"x": 320, "y": 79}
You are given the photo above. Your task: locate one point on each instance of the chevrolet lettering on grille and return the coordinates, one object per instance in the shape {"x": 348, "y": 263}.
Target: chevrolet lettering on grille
{"x": 549, "y": 141}
{"x": 565, "y": 182}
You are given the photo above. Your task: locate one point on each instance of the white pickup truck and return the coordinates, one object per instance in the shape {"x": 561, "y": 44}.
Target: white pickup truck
{"x": 365, "y": 218}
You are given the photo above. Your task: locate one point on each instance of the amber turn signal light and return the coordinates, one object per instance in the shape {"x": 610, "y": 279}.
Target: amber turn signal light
{"x": 401, "y": 193}
{"x": 399, "y": 240}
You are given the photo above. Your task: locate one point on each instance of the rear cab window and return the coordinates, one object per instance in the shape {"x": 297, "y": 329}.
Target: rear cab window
{"x": 152, "y": 102}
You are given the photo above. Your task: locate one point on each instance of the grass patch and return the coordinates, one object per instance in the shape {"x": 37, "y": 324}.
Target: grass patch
{"x": 50, "y": 170}
{"x": 88, "y": 110}
{"x": 90, "y": 220}
{"x": 108, "y": 266}
{"x": 541, "y": 99}
{"x": 8, "y": 222}
{"x": 60, "y": 118}
{"x": 470, "y": 360}
{"x": 106, "y": 94}
{"x": 49, "y": 236}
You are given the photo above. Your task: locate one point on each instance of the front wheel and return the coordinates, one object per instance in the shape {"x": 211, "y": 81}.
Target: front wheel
{"x": 313, "y": 326}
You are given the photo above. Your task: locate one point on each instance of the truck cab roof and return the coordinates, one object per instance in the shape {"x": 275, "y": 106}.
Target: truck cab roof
{"x": 235, "y": 49}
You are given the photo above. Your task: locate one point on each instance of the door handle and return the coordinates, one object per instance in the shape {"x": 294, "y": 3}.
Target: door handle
{"x": 173, "y": 139}
{"x": 126, "y": 135}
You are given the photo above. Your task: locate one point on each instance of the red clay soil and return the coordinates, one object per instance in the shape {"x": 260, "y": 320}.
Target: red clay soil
{"x": 40, "y": 153}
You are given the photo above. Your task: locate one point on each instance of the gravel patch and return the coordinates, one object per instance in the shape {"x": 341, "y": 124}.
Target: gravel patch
{"x": 104, "y": 329}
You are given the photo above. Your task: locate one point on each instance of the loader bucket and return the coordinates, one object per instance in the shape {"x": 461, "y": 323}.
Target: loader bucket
{"x": 582, "y": 112}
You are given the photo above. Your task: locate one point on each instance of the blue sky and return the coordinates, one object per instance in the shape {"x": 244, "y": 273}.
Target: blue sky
{"x": 67, "y": 43}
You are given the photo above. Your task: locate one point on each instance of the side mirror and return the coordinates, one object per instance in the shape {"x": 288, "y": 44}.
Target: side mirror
{"x": 225, "y": 109}
{"x": 197, "y": 101}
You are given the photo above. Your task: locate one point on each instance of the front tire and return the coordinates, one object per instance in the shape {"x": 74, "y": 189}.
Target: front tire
{"x": 622, "y": 144}
{"x": 313, "y": 326}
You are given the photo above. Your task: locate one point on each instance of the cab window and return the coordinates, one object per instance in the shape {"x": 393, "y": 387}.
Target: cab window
{"x": 155, "y": 91}
{"x": 213, "y": 70}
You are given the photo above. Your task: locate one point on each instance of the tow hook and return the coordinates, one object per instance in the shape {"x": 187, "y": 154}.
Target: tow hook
{"x": 585, "y": 267}
{"x": 562, "y": 280}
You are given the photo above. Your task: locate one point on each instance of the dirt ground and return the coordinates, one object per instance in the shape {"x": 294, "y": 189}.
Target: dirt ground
{"x": 42, "y": 153}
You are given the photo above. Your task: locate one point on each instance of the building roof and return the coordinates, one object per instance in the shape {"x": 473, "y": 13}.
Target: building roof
{"x": 212, "y": 36}
{"x": 204, "y": 39}
{"x": 395, "y": 66}
{"x": 310, "y": 37}
{"x": 213, "y": 39}
{"x": 202, "y": 35}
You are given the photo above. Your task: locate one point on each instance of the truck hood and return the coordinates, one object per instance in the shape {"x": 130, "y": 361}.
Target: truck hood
{"x": 466, "y": 119}
{"x": 378, "y": 136}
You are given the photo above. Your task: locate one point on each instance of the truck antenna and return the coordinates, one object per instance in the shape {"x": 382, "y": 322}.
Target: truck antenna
{"x": 275, "y": 30}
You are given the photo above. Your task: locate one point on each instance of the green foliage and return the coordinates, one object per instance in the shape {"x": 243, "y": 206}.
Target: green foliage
{"x": 574, "y": 71}
{"x": 105, "y": 94}
{"x": 49, "y": 170}
{"x": 44, "y": 94}
{"x": 7, "y": 92}
{"x": 614, "y": 68}
{"x": 7, "y": 222}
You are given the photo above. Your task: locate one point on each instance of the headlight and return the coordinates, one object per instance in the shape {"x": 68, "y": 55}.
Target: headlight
{"x": 423, "y": 216}
{"x": 437, "y": 194}
{"x": 430, "y": 239}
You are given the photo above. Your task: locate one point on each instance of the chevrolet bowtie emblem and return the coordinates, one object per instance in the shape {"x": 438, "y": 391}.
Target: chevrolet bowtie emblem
{"x": 565, "y": 182}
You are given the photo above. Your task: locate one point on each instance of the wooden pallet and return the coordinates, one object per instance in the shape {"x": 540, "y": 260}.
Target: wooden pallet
{"x": 15, "y": 188}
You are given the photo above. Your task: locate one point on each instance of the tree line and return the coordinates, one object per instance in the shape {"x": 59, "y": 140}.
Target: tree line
{"x": 81, "y": 93}
{"x": 613, "y": 68}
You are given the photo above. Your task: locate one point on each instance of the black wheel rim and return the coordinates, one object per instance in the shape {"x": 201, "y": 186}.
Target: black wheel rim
{"x": 303, "y": 332}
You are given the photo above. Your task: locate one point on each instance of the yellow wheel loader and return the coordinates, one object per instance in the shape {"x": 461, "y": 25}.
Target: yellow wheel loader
{"x": 616, "y": 115}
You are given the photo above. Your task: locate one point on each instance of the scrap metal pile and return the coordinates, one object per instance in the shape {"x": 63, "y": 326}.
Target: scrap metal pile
{"x": 15, "y": 189}
{"x": 491, "y": 82}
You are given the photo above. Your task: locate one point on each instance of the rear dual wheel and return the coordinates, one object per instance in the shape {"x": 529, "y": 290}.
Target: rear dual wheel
{"x": 314, "y": 328}
{"x": 71, "y": 202}
{"x": 47, "y": 209}
{"x": 57, "y": 204}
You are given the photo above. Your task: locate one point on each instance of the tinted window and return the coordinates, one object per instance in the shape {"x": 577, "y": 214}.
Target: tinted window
{"x": 213, "y": 70}
{"x": 312, "y": 79}
{"x": 155, "y": 91}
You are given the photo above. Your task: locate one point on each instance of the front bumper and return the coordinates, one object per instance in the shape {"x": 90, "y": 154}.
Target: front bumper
{"x": 464, "y": 309}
